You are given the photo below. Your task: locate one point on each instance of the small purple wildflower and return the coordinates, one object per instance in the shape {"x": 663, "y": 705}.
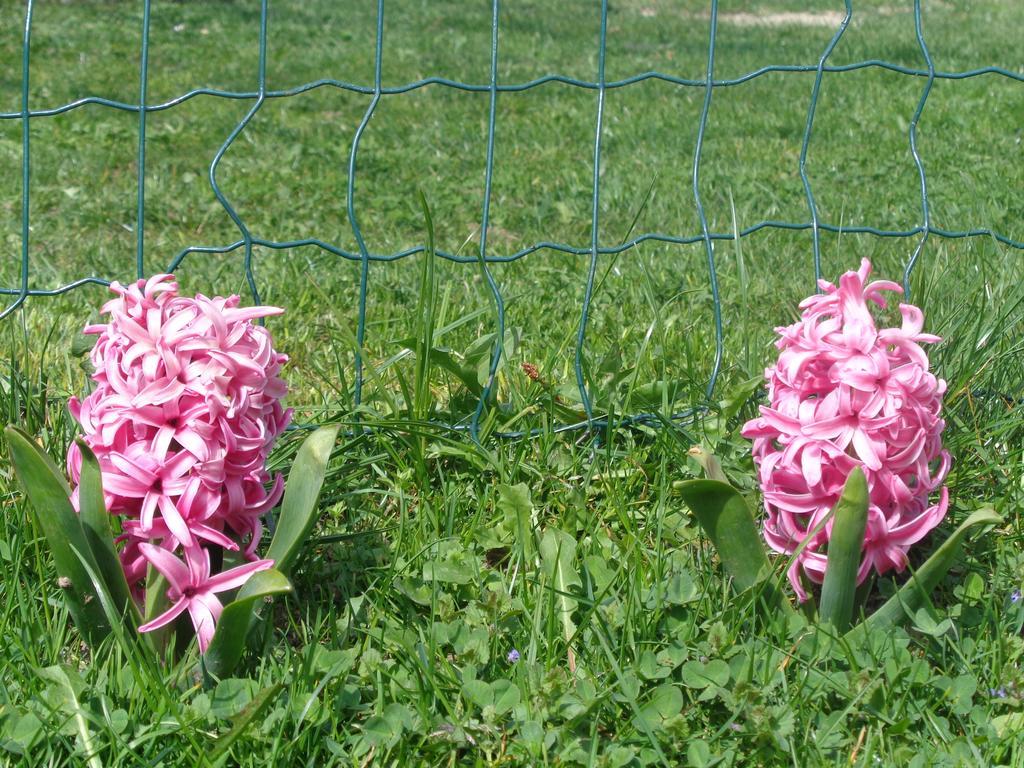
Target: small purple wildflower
{"x": 513, "y": 656}
{"x": 997, "y": 693}
{"x": 1015, "y": 596}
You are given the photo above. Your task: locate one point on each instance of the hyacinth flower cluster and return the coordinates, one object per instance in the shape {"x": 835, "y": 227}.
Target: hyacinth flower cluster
{"x": 185, "y": 410}
{"x": 845, "y": 393}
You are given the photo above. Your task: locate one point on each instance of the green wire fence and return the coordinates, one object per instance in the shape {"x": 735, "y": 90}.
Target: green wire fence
{"x": 708, "y": 84}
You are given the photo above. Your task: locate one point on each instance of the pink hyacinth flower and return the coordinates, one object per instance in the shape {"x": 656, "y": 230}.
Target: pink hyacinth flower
{"x": 193, "y": 589}
{"x": 844, "y": 393}
{"x": 184, "y": 412}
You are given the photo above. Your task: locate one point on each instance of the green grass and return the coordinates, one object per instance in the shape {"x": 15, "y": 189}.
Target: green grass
{"x": 430, "y": 563}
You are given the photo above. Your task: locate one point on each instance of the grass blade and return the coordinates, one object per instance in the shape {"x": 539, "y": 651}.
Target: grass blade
{"x": 844, "y": 550}
{"x": 425, "y": 318}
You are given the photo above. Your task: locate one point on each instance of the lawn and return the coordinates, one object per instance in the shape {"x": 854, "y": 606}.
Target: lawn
{"x": 426, "y": 627}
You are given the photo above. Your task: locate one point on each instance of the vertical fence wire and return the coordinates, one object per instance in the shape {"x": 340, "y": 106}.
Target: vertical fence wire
{"x": 709, "y": 246}
{"x": 357, "y": 232}
{"x": 806, "y": 142}
{"x": 26, "y": 165}
{"x": 588, "y": 293}
{"x": 499, "y": 303}
{"x": 926, "y": 222}
{"x": 247, "y": 238}
{"x": 140, "y": 216}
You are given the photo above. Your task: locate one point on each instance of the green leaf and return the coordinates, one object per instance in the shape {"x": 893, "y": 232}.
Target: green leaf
{"x": 378, "y": 731}
{"x": 426, "y": 311}
{"x": 82, "y": 344}
{"x": 244, "y": 718}
{"x": 666, "y": 700}
{"x": 96, "y": 525}
{"x": 656, "y": 394}
{"x": 506, "y": 695}
{"x": 154, "y": 603}
{"x": 67, "y": 686}
{"x": 925, "y": 622}
{"x": 515, "y": 504}
{"x": 680, "y": 589}
{"x": 399, "y": 716}
{"x": 698, "y": 675}
{"x": 698, "y": 753}
{"x": 1008, "y": 725}
{"x": 230, "y": 696}
{"x": 738, "y": 396}
{"x": 302, "y": 491}
{"x": 478, "y": 692}
{"x": 48, "y": 493}
{"x": 446, "y": 571}
{"x": 914, "y": 594}
{"x": 443, "y": 358}
{"x": 123, "y": 631}
{"x": 229, "y": 640}
{"x": 709, "y": 463}
{"x": 20, "y": 731}
{"x": 844, "y": 550}
{"x": 51, "y": 468}
{"x": 599, "y": 572}
{"x": 557, "y": 551}
{"x": 725, "y": 517}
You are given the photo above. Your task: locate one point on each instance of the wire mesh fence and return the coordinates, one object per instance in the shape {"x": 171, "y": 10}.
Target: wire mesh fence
{"x": 486, "y": 256}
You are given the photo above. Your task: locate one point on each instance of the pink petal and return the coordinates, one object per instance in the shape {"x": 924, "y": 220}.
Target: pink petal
{"x": 206, "y": 533}
{"x": 166, "y": 617}
{"x": 810, "y": 463}
{"x": 148, "y": 511}
{"x": 204, "y": 609}
{"x": 198, "y": 561}
{"x": 174, "y": 521}
{"x": 779, "y": 421}
{"x": 175, "y": 571}
{"x": 124, "y": 485}
{"x": 866, "y": 450}
{"x": 236, "y": 576}
{"x": 132, "y": 469}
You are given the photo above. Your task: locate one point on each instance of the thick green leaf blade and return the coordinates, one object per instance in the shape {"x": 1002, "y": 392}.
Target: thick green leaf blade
{"x": 52, "y": 469}
{"x": 844, "y": 550}
{"x": 47, "y": 493}
{"x": 914, "y": 594}
{"x": 96, "y": 526}
{"x": 233, "y": 626}
{"x": 726, "y": 519}
{"x": 298, "y": 515}
{"x": 302, "y": 491}
{"x": 124, "y": 632}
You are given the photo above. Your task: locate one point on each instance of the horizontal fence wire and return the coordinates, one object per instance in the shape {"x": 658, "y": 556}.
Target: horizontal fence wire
{"x": 247, "y": 240}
